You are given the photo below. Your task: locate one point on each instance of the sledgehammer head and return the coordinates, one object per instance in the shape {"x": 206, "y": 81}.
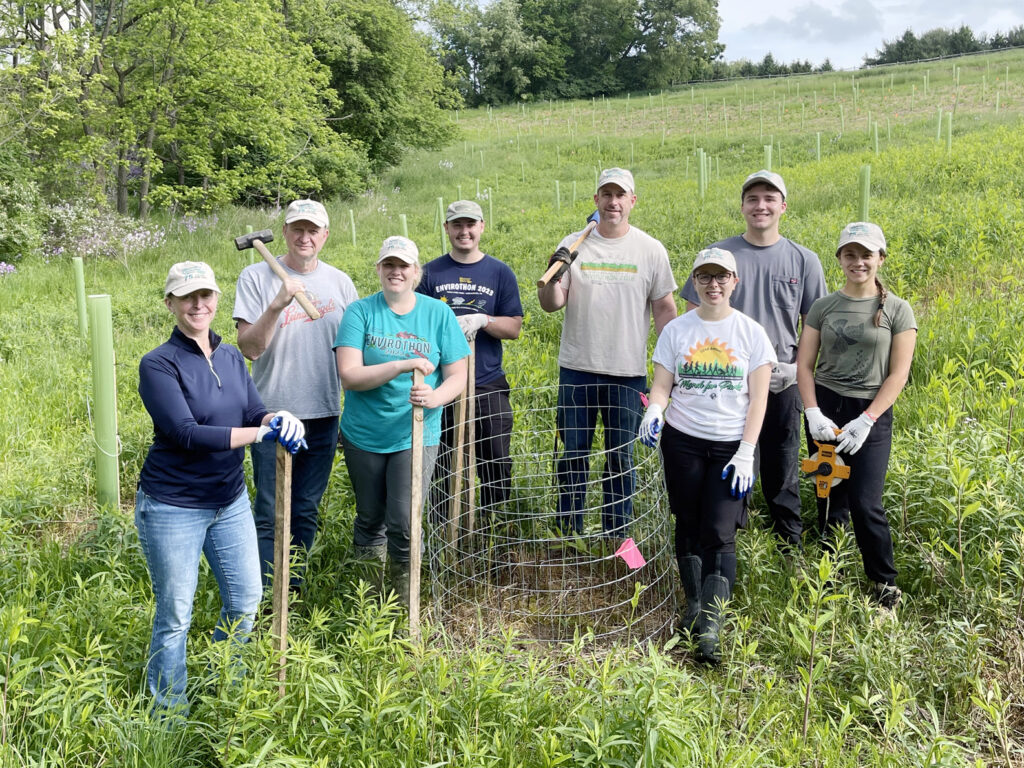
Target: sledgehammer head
{"x": 245, "y": 241}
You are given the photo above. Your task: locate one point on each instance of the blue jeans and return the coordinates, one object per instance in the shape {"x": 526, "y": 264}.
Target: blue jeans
{"x": 311, "y": 469}
{"x": 581, "y": 397}
{"x": 172, "y": 539}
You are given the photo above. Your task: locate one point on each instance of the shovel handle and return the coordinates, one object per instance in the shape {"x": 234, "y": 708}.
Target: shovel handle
{"x": 278, "y": 270}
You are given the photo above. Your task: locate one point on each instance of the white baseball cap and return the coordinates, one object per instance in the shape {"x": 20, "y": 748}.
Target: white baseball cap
{"x": 716, "y": 256}
{"x": 401, "y": 248}
{"x": 188, "y": 276}
{"x": 864, "y": 232}
{"x": 618, "y": 176}
{"x": 307, "y": 210}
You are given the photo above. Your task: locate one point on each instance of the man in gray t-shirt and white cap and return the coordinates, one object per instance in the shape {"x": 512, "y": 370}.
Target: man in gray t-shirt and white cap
{"x": 293, "y": 367}
{"x": 779, "y": 280}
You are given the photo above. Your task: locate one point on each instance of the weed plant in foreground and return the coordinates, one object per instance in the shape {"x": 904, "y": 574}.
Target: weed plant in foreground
{"x": 813, "y": 674}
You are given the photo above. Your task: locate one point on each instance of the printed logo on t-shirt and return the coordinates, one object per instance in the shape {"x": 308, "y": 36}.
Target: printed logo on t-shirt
{"x": 463, "y": 294}
{"x": 294, "y": 313}
{"x": 710, "y": 366}
{"x": 608, "y": 272}
{"x": 400, "y": 345}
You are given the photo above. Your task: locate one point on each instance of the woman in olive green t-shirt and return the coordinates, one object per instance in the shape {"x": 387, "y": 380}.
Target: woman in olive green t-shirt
{"x": 852, "y": 363}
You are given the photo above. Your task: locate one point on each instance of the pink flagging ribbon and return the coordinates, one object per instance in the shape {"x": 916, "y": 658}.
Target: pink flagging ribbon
{"x": 629, "y": 552}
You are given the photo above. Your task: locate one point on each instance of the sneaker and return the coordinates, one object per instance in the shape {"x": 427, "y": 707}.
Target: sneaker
{"x": 886, "y": 595}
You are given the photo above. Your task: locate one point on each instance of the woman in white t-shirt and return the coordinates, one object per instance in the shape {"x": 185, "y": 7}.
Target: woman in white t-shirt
{"x": 715, "y": 364}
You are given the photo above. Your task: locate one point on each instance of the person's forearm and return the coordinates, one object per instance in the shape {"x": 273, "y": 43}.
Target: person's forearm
{"x": 453, "y": 383}
{"x": 805, "y": 383}
{"x": 504, "y": 327}
{"x": 758, "y": 382}
{"x": 254, "y": 338}
{"x": 360, "y": 378}
{"x": 552, "y": 296}
{"x": 887, "y": 394}
{"x": 664, "y": 312}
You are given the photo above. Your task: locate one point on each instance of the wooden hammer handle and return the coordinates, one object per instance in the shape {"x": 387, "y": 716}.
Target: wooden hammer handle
{"x": 278, "y": 270}
{"x": 558, "y": 265}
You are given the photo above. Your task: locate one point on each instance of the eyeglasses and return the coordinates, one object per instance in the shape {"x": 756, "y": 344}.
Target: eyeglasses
{"x": 703, "y": 278}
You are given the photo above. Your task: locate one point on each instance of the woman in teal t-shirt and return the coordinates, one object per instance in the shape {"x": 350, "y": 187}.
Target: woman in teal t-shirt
{"x": 382, "y": 340}
{"x": 853, "y": 361}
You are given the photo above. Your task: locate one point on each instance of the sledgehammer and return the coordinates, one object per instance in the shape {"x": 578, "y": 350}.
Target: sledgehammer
{"x": 256, "y": 240}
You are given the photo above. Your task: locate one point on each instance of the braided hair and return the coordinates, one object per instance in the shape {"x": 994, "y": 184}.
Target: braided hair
{"x": 882, "y": 295}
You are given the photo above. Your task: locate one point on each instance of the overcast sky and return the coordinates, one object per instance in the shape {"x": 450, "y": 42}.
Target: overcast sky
{"x": 846, "y": 30}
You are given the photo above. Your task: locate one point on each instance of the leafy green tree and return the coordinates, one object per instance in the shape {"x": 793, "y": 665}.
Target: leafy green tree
{"x": 392, "y": 92}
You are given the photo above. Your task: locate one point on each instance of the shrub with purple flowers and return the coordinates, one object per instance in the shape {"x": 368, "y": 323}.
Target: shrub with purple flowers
{"x": 76, "y": 229}
{"x": 6, "y": 269}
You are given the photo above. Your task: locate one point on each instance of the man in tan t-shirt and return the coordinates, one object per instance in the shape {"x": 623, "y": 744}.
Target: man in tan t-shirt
{"x": 620, "y": 279}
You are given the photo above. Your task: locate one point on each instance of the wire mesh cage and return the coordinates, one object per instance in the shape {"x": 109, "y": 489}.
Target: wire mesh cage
{"x": 503, "y": 558}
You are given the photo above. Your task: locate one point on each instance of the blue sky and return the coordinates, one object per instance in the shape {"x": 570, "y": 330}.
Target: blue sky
{"x": 847, "y": 30}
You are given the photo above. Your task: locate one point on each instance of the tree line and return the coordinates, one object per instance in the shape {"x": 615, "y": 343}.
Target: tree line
{"x": 943, "y": 42}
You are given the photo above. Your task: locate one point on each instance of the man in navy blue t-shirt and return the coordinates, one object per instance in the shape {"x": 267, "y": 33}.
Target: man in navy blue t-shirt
{"x": 484, "y": 295}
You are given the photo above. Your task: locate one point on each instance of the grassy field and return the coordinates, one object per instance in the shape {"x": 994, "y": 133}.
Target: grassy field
{"x": 814, "y": 675}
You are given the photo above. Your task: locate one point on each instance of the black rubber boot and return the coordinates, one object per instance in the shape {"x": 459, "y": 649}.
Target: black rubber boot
{"x": 399, "y": 577}
{"x": 370, "y": 565}
{"x": 689, "y": 577}
{"x": 715, "y": 592}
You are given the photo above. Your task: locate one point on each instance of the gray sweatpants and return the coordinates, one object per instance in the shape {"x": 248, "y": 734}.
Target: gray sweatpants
{"x": 380, "y": 482}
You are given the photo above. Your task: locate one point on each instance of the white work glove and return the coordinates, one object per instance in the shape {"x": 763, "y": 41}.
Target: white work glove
{"x": 783, "y": 377}
{"x": 290, "y": 427}
{"x": 267, "y": 431}
{"x": 650, "y": 427}
{"x": 854, "y": 434}
{"x": 742, "y": 463}
{"x": 470, "y": 324}
{"x": 820, "y": 426}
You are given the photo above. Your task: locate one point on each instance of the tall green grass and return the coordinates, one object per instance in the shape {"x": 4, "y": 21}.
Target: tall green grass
{"x": 940, "y": 684}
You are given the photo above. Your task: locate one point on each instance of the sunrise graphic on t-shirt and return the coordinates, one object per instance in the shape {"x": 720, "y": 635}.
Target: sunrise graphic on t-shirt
{"x": 710, "y": 358}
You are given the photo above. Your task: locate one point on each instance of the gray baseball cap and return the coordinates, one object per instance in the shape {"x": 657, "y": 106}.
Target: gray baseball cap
{"x": 618, "y": 176}
{"x": 717, "y": 256}
{"x": 764, "y": 177}
{"x": 464, "y": 209}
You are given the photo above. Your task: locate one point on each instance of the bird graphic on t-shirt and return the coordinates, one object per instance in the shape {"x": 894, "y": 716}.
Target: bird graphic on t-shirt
{"x": 846, "y": 335}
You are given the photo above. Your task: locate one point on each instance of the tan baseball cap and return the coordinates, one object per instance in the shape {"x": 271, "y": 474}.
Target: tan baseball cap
{"x": 464, "y": 209}
{"x": 307, "y": 210}
{"x": 764, "y": 177}
{"x": 401, "y": 248}
{"x": 716, "y": 256}
{"x": 864, "y": 232}
{"x": 188, "y": 276}
{"x": 618, "y": 176}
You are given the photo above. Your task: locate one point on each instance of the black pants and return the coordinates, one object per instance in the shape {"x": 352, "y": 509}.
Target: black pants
{"x": 492, "y": 426}
{"x": 859, "y": 498}
{"x": 707, "y": 515}
{"x": 777, "y": 462}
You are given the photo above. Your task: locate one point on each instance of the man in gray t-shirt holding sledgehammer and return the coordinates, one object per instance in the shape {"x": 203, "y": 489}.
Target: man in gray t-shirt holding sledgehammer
{"x": 779, "y": 280}
{"x": 293, "y": 367}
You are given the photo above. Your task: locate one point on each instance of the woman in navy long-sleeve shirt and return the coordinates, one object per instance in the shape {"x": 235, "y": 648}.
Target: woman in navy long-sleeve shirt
{"x": 192, "y": 497}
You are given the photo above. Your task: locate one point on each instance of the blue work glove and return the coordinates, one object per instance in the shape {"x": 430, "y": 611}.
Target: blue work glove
{"x": 296, "y": 446}
{"x": 268, "y": 431}
{"x": 742, "y": 463}
{"x": 650, "y": 427}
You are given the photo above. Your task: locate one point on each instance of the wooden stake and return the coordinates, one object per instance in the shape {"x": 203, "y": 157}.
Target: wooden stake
{"x": 282, "y": 558}
{"x": 471, "y": 440}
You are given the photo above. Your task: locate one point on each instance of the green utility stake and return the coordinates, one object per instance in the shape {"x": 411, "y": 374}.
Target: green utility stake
{"x": 403, "y": 222}
{"x": 817, "y": 151}
{"x": 104, "y": 392}
{"x": 865, "y": 191}
{"x": 522, "y": 167}
{"x": 876, "y": 138}
{"x": 868, "y": 126}
{"x": 478, "y": 189}
{"x": 440, "y": 218}
{"x": 352, "y": 224}
{"x": 481, "y": 159}
{"x": 842, "y": 120}
{"x": 938, "y": 126}
{"x": 768, "y": 156}
{"x": 490, "y": 205}
{"x": 949, "y": 133}
{"x": 558, "y": 197}
{"x": 83, "y": 317}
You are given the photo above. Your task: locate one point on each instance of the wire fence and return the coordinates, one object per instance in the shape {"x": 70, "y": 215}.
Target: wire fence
{"x": 503, "y": 558}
